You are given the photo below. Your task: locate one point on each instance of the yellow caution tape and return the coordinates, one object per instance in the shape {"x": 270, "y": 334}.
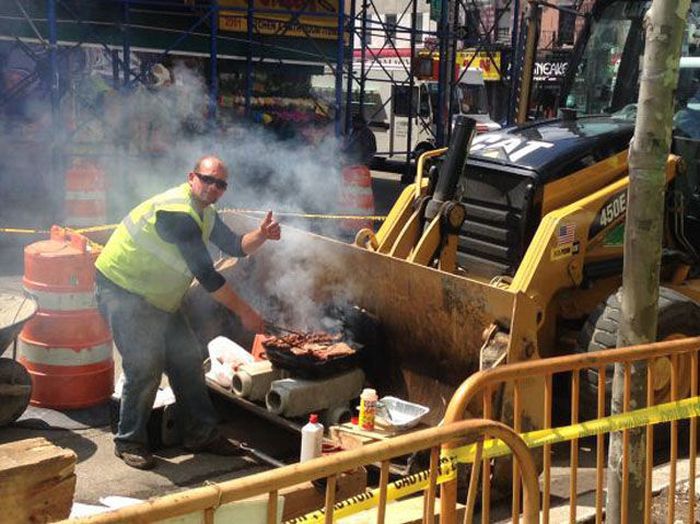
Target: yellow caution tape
{"x": 378, "y": 218}
{"x": 93, "y": 229}
{"x": 46, "y": 231}
{"x": 80, "y": 230}
{"x": 370, "y": 498}
{"x": 682, "y": 409}
{"x": 22, "y": 231}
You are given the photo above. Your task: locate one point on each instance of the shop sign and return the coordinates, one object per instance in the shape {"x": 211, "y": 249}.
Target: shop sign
{"x": 281, "y": 18}
{"x": 488, "y": 62}
{"x": 550, "y": 70}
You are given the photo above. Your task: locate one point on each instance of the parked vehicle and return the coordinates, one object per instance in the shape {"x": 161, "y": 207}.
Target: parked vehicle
{"x": 418, "y": 110}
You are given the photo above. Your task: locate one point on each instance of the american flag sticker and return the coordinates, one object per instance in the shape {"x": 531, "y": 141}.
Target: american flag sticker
{"x": 566, "y": 234}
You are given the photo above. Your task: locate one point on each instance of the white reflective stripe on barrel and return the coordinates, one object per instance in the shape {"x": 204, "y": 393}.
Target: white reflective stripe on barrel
{"x": 49, "y": 300}
{"x": 357, "y": 190}
{"x": 84, "y": 195}
{"x": 53, "y": 356}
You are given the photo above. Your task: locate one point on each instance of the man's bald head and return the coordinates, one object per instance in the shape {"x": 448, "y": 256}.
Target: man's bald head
{"x": 210, "y": 164}
{"x": 208, "y": 180}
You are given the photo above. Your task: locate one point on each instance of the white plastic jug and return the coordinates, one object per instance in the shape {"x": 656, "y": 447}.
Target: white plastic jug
{"x": 311, "y": 439}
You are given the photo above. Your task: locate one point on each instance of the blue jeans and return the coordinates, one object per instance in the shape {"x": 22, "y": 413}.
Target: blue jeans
{"x": 150, "y": 342}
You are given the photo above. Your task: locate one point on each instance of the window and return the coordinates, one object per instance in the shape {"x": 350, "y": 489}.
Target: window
{"x": 424, "y": 101}
{"x": 368, "y": 34}
{"x": 390, "y": 28}
{"x": 400, "y": 96}
{"x": 567, "y": 26}
{"x": 419, "y": 27}
{"x": 503, "y": 22}
{"x": 472, "y": 24}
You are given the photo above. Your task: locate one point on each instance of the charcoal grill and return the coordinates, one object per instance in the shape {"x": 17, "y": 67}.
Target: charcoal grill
{"x": 308, "y": 367}
{"x": 359, "y": 331}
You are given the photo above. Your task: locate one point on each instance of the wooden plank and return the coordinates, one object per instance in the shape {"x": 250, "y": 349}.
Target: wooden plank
{"x": 37, "y": 481}
{"x": 33, "y": 458}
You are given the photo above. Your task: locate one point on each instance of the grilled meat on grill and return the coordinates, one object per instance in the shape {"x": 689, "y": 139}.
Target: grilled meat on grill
{"x": 319, "y": 345}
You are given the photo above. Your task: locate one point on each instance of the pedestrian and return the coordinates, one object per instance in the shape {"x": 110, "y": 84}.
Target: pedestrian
{"x": 360, "y": 145}
{"x": 142, "y": 276}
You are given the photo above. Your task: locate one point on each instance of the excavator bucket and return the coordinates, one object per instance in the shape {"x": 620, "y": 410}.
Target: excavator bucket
{"x": 429, "y": 324}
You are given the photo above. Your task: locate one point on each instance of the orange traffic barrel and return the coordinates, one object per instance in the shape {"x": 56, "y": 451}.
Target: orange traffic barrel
{"x": 67, "y": 346}
{"x": 86, "y": 196}
{"x": 356, "y": 198}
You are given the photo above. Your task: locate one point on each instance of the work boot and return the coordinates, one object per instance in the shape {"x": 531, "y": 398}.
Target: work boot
{"x": 135, "y": 455}
{"x": 220, "y": 445}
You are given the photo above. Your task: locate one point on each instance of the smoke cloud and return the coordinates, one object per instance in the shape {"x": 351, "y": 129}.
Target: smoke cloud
{"x": 147, "y": 139}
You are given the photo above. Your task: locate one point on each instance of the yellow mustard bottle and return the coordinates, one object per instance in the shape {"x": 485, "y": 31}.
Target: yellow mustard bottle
{"x": 368, "y": 408}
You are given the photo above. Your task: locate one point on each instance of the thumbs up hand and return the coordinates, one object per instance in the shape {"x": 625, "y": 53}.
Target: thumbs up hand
{"x": 270, "y": 228}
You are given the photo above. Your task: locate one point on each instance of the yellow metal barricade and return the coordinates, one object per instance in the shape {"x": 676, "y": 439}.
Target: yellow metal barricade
{"x": 676, "y": 358}
{"x": 203, "y": 502}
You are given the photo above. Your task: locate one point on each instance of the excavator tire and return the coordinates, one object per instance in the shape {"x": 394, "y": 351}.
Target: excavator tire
{"x": 678, "y": 316}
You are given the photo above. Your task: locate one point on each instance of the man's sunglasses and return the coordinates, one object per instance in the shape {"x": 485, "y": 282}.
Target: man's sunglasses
{"x": 209, "y": 180}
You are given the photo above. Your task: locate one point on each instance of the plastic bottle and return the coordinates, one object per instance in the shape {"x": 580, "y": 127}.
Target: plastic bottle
{"x": 311, "y": 439}
{"x": 368, "y": 408}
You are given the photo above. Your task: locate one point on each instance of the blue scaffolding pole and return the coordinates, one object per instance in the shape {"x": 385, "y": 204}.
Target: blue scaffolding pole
{"x": 514, "y": 63}
{"x": 126, "y": 44}
{"x": 340, "y": 60}
{"x": 249, "y": 59}
{"x": 350, "y": 52}
{"x": 411, "y": 84}
{"x": 443, "y": 76}
{"x": 57, "y": 182}
{"x": 213, "y": 62}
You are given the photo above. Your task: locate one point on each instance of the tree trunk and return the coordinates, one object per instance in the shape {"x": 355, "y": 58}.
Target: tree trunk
{"x": 664, "y": 25}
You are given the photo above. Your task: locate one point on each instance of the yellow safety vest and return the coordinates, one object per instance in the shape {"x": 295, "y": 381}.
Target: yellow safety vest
{"x": 137, "y": 259}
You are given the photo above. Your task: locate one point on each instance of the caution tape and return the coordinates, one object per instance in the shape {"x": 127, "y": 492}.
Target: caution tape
{"x": 294, "y": 214}
{"x": 21, "y": 231}
{"x": 25, "y": 231}
{"x": 682, "y": 409}
{"x": 93, "y": 229}
{"x": 370, "y": 498}
{"x": 81, "y": 230}
{"x": 291, "y": 214}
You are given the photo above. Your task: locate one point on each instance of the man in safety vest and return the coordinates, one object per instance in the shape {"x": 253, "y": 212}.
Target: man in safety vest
{"x": 142, "y": 276}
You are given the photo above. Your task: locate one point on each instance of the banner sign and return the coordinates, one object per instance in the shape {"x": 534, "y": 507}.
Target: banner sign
{"x": 551, "y": 67}
{"x": 296, "y": 18}
{"x": 550, "y": 71}
{"x": 489, "y": 63}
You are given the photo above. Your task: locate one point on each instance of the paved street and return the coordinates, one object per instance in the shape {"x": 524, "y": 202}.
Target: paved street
{"x": 99, "y": 472}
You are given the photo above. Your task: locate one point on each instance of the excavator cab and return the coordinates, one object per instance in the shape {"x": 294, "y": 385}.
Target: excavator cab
{"x": 607, "y": 81}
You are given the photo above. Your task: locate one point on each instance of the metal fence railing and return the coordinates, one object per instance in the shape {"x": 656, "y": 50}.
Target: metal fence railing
{"x": 672, "y": 389}
{"x": 204, "y": 502}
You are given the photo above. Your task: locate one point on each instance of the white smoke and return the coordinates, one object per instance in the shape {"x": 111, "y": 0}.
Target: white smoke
{"x": 172, "y": 132}
{"x": 147, "y": 139}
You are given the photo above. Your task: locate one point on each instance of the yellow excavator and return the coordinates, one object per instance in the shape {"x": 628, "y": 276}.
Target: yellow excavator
{"x": 508, "y": 246}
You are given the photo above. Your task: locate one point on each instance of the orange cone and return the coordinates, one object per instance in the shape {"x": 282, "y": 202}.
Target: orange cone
{"x": 356, "y": 198}
{"x": 67, "y": 346}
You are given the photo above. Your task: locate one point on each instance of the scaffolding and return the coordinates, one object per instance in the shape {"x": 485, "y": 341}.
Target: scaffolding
{"x": 464, "y": 31}
{"x": 304, "y": 35}
{"x": 334, "y": 36}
